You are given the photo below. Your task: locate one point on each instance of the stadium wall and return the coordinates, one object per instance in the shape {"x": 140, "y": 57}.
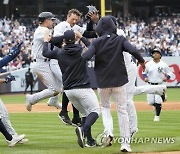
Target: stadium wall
{"x": 19, "y": 84}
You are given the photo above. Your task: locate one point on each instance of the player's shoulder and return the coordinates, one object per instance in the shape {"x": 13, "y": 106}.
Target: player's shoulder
{"x": 150, "y": 62}
{"x": 40, "y": 29}
{"x": 61, "y": 24}
{"x": 163, "y": 63}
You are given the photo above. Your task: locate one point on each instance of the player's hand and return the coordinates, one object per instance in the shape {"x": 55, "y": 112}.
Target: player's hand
{"x": 94, "y": 16}
{"x": 143, "y": 66}
{"x": 146, "y": 79}
{"x": 47, "y": 36}
{"x": 78, "y": 35}
{"x": 164, "y": 79}
{"x": 9, "y": 78}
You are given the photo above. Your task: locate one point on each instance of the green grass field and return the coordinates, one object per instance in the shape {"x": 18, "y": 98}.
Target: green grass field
{"x": 48, "y": 135}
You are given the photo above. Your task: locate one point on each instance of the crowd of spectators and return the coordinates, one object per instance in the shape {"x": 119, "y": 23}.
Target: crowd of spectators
{"x": 163, "y": 33}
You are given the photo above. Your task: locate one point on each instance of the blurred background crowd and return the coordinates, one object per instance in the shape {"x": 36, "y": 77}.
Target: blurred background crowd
{"x": 161, "y": 32}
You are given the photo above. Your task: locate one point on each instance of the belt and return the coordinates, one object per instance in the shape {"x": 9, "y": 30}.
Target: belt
{"x": 153, "y": 83}
{"x": 44, "y": 60}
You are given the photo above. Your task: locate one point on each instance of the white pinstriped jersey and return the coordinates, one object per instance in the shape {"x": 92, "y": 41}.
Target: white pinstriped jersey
{"x": 37, "y": 47}
{"x": 64, "y": 26}
{"x": 157, "y": 71}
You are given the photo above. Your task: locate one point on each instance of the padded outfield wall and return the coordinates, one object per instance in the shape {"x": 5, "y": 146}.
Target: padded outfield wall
{"x": 19, "y": 84}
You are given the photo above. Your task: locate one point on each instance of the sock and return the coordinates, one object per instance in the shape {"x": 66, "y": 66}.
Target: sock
{"x": 5, "y": 132}
{"x": 75, "y": 113}
{"x": 65, "y": 102}
{"x": 90, "y": 120}
{"x": 89, "y": 135}
{"x": 158, "y": 109}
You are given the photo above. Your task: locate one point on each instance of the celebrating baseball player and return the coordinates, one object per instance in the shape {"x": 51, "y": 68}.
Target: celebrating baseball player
{"x": 40, "y": 66}
{"x": 76, "y": 83}
{"x": 132, "y": 90}
{"x": 111, "y": 72}
{"x": 73, "y": 17}
{"x": 156, "y": 73}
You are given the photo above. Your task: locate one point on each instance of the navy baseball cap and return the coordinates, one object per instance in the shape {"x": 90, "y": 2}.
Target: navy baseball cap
{"x": 69, "y": 36}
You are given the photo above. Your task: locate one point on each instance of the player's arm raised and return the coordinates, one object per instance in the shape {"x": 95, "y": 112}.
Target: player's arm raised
{"x": 46, "y": 51}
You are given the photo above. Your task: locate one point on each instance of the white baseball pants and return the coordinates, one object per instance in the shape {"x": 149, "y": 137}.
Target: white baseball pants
{"x": 120, "y": 99}
{"x": 84, "y": 100}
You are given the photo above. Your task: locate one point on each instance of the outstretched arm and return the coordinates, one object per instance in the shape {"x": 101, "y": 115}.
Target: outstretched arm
{"x": 127, "y": 47}
{"x": 11, "y": 55}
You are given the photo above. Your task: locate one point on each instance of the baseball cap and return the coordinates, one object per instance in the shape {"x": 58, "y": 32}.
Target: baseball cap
{"x": 69, "y": 36}
{"x": 46, "y": 15}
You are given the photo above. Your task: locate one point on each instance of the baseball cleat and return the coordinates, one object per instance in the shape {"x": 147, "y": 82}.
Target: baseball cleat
{"x": 63, "y": 116}
{"x": 91, "y": 144}
{"x": 15, "y": 140}
{"x": 23, "y": 141}
{"x": 133, "y": 133}
{"x": 80, "y": 136}
{"x": 125, "y": 148}
{"x": 107, "y": 141}
{"x": 28, "y": 102}
{"x": 55, "y": 104}
{"x": 156, "y": 118}
{"x": 76, "y": 122}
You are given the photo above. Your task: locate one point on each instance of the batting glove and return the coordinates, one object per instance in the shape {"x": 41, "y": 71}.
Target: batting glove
{"x": 9, "y": 78}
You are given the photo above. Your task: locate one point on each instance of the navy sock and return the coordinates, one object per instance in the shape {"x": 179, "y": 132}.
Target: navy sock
{"x": 158, "y": 109}
{"x": 89, "y": 135}
{"x": 90, "y": 120}
{"x": 5, "y": 132}
{"x": 65, "y": 102}
{"x": 75, "y": 113}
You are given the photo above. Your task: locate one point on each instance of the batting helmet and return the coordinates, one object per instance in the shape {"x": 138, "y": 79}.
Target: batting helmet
{"x": 46, "y": 15}
{"x": 157, "y": 50}
{"x": 91, "y": 9}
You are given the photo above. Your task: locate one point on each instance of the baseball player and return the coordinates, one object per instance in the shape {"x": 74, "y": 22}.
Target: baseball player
{"x": 70, "y": 24}
{"x": 12, "y": 138}
{"x": 41, "y": 66}
{"x": 156, "y": 73}
{"x": 76, "y": 82}
{"x": 111, "y": 72}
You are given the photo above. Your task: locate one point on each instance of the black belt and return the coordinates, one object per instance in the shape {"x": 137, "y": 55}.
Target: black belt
{"x": 153, "y": 83}
{"x": 45, "y": 60}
